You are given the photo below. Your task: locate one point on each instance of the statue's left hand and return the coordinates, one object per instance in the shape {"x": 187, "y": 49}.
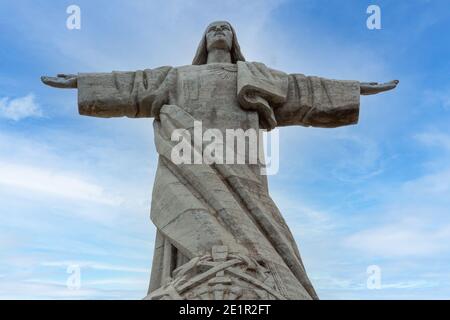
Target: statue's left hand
{"x": 375, "y": 87}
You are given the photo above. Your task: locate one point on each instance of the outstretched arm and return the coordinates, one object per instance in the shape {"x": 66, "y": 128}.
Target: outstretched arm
{"x": 368, "y": 88}
{"x": 117, "y": 94}
{"x": 320, "y": 102}
{"x": 295, "y": 99}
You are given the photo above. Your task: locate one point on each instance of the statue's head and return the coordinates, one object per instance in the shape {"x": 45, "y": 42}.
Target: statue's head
{"x": 218, "y": 35}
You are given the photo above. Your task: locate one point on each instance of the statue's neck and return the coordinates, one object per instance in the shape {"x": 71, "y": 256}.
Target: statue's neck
{"x": 219, "y": 56}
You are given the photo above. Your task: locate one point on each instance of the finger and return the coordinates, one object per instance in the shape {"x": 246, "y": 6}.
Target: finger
{"x": 47, "y": 80}
{"x": 44, "y": 78}
{"x": 394, "y": 83}
{"x": 391, "y": 83}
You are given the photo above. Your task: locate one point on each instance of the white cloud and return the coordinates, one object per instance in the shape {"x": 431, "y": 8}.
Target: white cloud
{"x": 409, "y": 285}
{"x": 54, "y": 290}
{"x": 415, "y": 216}
{"x": 163, "y": 31}
{"x": 435, "y": 185}
{"x": 126, "y": 282}
{"x": 359, "y": 285}
{"x": 56, "y": 183}
{"x": 305, "y": 222}
{"x": 19, "y": 108}
{"x": 401, "y": 239}
{"x": 95, "y": 265}
{"x": 415, "y": 221}
{"x": 327, "y": 282}
{"x": 435, "y": 139}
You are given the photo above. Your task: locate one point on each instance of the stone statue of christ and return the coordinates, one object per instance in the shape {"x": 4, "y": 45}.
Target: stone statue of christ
{"x": 219, "y": 233}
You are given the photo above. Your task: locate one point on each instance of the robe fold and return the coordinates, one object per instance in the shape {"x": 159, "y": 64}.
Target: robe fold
{"x": 197, "y": 206}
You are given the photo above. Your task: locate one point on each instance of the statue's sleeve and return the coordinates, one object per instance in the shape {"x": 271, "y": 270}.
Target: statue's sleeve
{"x": 117, "y": 94}
{"x": 319, "y": 102}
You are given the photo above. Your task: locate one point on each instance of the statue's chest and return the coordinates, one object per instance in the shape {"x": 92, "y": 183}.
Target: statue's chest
{"x": 209, "y": 93}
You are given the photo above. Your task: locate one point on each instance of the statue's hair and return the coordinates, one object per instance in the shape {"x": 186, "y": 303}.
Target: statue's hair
{"x": 201, "y": 56}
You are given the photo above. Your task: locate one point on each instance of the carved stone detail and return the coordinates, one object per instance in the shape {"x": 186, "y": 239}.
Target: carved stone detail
{"x": 219, "y": 276}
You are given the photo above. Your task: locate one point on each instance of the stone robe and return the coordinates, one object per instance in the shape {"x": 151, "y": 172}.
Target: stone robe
{"x": 196, "y": 207}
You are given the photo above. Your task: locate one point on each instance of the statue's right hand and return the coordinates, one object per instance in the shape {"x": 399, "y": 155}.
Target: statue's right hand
{"x": 66, "y": 81}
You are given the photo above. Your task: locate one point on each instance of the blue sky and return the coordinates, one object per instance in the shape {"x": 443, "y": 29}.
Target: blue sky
{"x": 76, "y": 190}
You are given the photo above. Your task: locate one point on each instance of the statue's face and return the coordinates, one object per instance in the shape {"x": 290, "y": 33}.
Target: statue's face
{"x": 219, "y": 36}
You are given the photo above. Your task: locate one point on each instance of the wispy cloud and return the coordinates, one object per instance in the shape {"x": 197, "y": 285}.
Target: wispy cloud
{"x": 401, "y": 239}
{"x": 435, "y": 139}
{"x": 56, "y": 183}
{"x": 55, "y": 290}
{"x": 94, "y": 265}
{"x": 409, "y": 285}
{"x": 19, "y": 108}
{"x": 406, "y": 225}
